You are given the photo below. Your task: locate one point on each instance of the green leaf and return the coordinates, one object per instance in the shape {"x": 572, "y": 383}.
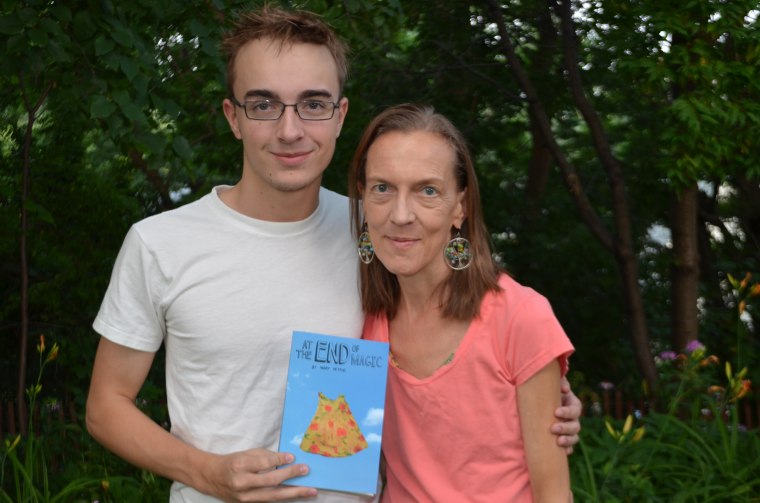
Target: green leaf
{"x": 140, "y": 84}
{"x": 133, "y": 113}
{"x": 128, "y": 107}
{"x": 10, "y": 25}
{"x": 121, "y": 97}
{"x": 111, "y": 60}
{"x": 101, "y": 108}
{"x": 172, "y": 108}
{"x": 83, "y": 26}
{"x": 103, "y": 45}
{"x": 151, "y": 143}
{"x": 123, "y": 37}
{"x": 57, "y": 52}
{"x": 199, "y": 29}
{"x": 52, "y": 27}
{"x": 16, "y": 43}
{"x": 28, "y": 16}
{"x": 129, "y": 67}
{"x": 209, "y": 47}
{"x": 63, "y": 14}
{"x": 38, "y": 211}
{"x": 182, "y": 147}
{"x": 115, "y": 124}
{"x": 38, "y": 37}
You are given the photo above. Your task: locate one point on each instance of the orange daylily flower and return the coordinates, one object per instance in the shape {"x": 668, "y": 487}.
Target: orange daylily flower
{"x": 744, "y": 282}
{"x": 53, "y": 354}
{"x": 715, "y": 390}
{"x": 744, "y": 389}
{"x": 710, "y": 360}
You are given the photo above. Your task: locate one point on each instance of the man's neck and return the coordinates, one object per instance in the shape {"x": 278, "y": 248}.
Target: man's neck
{"x": 272, "y": 205}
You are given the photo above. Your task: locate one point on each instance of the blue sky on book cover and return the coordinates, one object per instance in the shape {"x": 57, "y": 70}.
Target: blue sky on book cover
{"x": 348, "y": 378}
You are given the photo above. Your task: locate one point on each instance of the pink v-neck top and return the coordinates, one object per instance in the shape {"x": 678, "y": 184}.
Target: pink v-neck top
{"x": 455, "y": 436}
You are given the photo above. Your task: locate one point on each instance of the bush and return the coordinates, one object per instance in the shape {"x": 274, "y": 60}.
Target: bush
{"x": 60, "y": 462}
{"x": 696, "y": 451}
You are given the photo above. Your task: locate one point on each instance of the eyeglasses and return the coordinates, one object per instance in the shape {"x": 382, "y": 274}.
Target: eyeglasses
{"x": 270, "y": 110}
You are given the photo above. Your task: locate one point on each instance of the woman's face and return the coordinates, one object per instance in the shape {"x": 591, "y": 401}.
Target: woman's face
{"x": 411, "y": 201}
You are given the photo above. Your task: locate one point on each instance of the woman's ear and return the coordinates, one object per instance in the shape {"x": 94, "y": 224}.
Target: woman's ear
{"x": 460, "y": 213}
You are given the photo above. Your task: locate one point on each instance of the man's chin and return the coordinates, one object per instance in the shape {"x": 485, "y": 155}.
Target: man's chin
{"x": 292, "y": 185}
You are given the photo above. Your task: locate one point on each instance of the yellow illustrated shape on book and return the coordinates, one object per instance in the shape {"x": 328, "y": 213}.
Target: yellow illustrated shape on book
{"x": 333, "y": 431}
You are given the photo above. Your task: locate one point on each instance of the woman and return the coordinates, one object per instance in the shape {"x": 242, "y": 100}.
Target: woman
{"x": 469, "y": 345}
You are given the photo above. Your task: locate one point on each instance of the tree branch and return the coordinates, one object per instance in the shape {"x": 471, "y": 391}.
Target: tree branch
{"x": 31, "y": 111}
{"x": 541, "y": 120}
{"x": 154, "y": 178}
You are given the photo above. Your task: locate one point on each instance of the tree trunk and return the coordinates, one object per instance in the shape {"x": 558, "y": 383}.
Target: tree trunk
{"x": 749, "y": 209}
{"x": 24, "y": 335}
{"x": 540, "y": 166}
{"x": 684, "y": 270}
{"x": 541, "y": 155}
{"x": 621, "y": 243}
{"x": 31, "y": 110}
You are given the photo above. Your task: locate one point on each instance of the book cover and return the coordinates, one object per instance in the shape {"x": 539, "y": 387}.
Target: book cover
{"x": 333, "y": 415}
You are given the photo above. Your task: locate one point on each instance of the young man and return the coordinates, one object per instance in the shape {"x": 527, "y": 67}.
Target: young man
{"x": 224, "y": 281}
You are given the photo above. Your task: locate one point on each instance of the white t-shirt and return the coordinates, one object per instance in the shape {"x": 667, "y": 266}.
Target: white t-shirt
{"x": 224, "y": 293}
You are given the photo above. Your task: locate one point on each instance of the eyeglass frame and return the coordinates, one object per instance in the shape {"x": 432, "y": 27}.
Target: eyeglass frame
{"x": 284, "y": 106}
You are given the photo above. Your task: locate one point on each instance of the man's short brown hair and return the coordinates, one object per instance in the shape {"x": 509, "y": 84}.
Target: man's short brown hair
{"x": 283, "y": 27}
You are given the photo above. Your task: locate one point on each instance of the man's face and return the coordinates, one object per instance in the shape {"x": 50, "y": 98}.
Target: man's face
{"x": 288, "y": 154}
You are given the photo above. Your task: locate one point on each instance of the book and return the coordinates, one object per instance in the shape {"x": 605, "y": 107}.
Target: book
{"x": 333, "y": 414}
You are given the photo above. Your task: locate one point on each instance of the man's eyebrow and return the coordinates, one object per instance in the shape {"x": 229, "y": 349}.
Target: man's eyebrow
{"x": 260, "y": 93}
{"x": 315, "y": 93}
{"x": 304, "y": 95}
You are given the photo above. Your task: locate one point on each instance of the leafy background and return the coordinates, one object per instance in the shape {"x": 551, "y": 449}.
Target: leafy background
{"x": 628, "y": 210}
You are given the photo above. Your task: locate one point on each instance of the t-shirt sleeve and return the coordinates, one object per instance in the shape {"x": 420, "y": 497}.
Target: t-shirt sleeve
{"x": 374, "y": 328}
{"x": 534, "y": 339}
{"x": 130, "y": 313}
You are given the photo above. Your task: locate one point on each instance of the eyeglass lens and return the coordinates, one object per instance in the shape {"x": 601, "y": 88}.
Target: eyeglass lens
{"x": 272, "y": 110}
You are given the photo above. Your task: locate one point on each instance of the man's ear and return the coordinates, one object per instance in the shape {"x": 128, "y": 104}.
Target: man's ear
{"x": 342, "y": 112}
{"x": 230, "y": 113}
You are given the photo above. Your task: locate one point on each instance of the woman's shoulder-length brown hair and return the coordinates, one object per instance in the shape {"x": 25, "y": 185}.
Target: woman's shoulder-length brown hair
{"x": 463, "y": 292}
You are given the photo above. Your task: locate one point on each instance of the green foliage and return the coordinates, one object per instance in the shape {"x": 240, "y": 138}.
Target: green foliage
{"x": 697, "y": 451}
{"x": 130, "y": 125}
{"x": 676, "y": 459}
{"x": 113, "y": 141}
{"x": 59, "y": 462}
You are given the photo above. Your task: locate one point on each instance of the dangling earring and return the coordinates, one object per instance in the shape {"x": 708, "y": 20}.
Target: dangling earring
{"x": 457, "y": 253}
{"x": 365, "y": 248}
